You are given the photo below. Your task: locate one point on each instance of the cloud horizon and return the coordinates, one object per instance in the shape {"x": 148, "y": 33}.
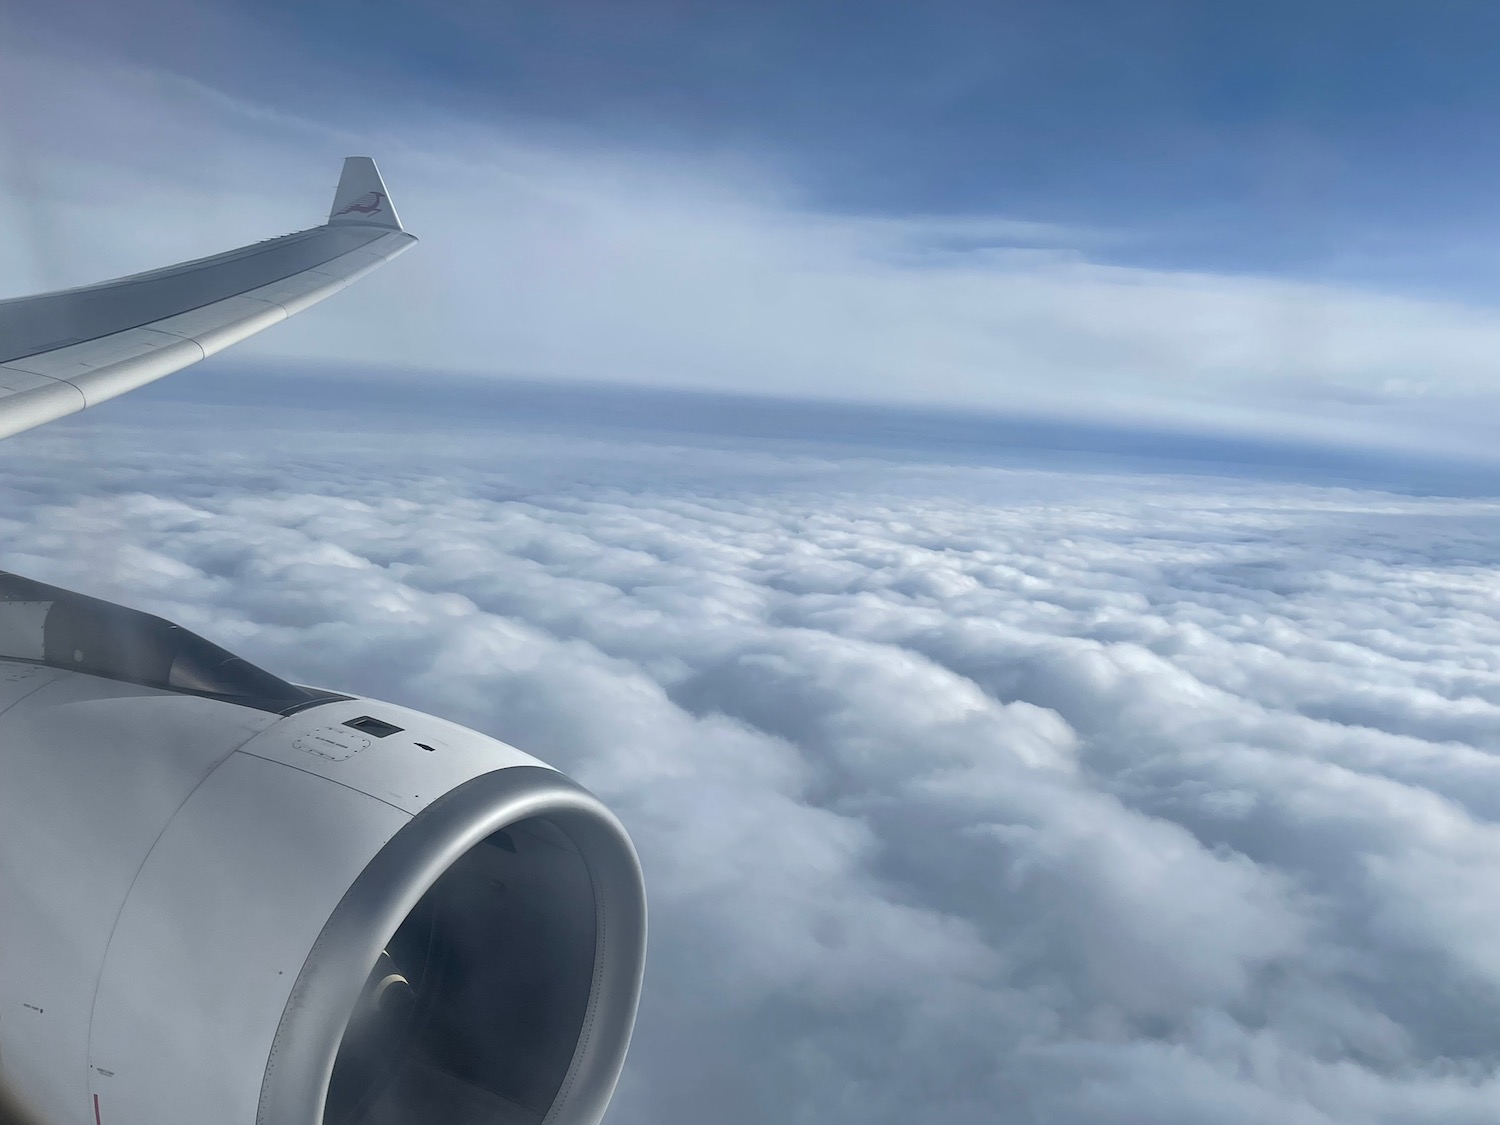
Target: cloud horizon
{"x": 964, "y": 792}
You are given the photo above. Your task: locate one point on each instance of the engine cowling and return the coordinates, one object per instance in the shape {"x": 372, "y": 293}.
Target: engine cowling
{"x": 224, "y": 897}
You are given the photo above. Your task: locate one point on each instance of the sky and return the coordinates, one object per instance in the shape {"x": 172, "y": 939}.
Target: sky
{"x": 1001, "y": 499}
{"x": 1270, "y": 219}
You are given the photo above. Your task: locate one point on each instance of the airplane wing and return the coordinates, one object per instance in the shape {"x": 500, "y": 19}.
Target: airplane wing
{"x": 62, "y": 352}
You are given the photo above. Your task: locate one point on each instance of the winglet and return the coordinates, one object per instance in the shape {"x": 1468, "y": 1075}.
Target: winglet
{"x": 361, "y": 197}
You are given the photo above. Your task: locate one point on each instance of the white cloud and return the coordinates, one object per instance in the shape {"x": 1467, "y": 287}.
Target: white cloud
{"x": 965, "y": 794}
{"x": 544, "y": 255}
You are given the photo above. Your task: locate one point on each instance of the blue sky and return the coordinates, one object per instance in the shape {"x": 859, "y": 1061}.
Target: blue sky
{"x": 1353, "y": 140}
{"x": 1273, "y": 220}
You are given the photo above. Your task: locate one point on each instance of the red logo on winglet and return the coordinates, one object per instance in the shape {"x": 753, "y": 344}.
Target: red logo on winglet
{"x": 367, "y": 204}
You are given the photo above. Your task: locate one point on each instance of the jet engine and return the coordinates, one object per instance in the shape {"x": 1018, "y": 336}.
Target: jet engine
{"x": 225, "y": 897}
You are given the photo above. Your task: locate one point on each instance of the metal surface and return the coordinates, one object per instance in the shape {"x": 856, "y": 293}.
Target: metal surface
{"x": 91, "y": 772}
{"x": 62, "y": 352}
{"x": 29, "y": 325}
{"x": 215, "y": 931}
{"x": 56, "y": 628}
{"x": 193, "y": 892}
{"x": 391, "y": 887}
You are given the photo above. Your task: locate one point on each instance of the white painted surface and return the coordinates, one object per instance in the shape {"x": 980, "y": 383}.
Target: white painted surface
{"x": 166, "y": 864}
{"x": 89, "y": 373}
{"x": 91, "y": 771}
{"x": 17, "y": 681}
{"x": 395, "y": 769}
{"x": 22, "y": 633}
{"x": 214, "y": 935}
{"x": 55, "y": 382}
{"x": 362, "y": 197}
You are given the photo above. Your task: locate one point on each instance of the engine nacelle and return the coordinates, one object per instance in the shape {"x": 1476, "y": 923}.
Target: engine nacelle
{"x": 228, "y": 898}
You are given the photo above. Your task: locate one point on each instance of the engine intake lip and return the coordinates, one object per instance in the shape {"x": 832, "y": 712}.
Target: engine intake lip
{"x": 331, "y": 981}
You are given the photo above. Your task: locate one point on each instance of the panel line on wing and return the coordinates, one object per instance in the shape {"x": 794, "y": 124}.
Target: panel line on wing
{"x": 64, "y": 351}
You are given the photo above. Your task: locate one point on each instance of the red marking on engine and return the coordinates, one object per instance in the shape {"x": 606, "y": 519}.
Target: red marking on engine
{"x": 96, "y": 1111}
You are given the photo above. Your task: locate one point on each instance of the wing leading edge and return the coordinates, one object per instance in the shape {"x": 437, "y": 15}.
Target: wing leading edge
{"x": 62, "y": 352}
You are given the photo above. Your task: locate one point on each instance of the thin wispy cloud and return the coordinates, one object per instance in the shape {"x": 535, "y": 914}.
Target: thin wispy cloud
{"x": 552, "y": 257}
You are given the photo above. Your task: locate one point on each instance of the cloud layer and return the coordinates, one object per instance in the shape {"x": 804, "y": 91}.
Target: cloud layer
{"x": 965, "y": 794}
